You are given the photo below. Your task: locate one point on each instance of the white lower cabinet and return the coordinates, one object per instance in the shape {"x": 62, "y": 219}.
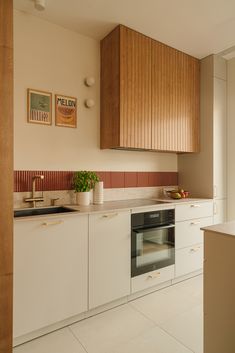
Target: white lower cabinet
{"x": 190, "y": 218}
{"x": 188, "y": 260}
{"x": 152, "y": 278}
{"x": 109, "y": 257}
{"x": 188, "y": 233}
{"x": 69, "y": 264}
{"x": 193, "y": 210}
{"x": 50, "y": 271}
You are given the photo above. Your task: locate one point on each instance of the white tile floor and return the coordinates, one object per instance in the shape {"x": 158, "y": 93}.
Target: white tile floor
{"x": 166, "y": 321}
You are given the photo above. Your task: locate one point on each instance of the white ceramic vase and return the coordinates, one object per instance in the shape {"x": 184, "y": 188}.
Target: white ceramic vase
{"x": 98, "y": 193}
{"x": 83, "y": 198}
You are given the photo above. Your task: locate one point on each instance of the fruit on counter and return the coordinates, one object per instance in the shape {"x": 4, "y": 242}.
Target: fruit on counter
{"x": 181, "y": 191}
{"x": 178, "y": 194}
{"x": 175, "y": 194}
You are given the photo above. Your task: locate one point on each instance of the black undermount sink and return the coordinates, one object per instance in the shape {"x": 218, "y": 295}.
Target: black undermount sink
{"x": 41, "y": 211}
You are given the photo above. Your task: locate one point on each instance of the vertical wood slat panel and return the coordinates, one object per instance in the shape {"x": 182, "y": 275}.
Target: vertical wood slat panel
{"x": 6, "y": 170}
{"x": 110, "y": 90}
{"x": 175, "y": 100}
{"x": 135, "y": 80}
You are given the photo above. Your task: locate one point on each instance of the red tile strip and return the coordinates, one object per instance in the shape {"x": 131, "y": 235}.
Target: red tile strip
{"x": 62, "y": 180}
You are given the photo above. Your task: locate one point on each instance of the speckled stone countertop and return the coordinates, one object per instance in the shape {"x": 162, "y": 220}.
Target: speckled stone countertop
{"x": 123, "y": 205}
{"x": 184, "y": 200}
{"x": 134, "y": 204}
{"x": 227, "y": 228}
{"x": 138, "y": 205}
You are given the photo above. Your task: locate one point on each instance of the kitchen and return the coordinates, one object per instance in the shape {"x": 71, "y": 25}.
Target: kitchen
{"x": 128, "y": 174}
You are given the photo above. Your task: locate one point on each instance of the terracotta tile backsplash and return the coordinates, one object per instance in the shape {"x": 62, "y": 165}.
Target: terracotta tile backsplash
{"x": 62, "y": 180}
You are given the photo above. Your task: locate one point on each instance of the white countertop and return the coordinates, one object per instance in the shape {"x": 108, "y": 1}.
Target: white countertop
{"x": 227, "y": 228}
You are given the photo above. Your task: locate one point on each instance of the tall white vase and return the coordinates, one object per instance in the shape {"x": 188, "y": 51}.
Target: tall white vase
{"x": 98, "y": 193}
{"x": 83, "y": 198}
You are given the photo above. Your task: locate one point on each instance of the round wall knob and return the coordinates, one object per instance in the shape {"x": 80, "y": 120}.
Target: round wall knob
{"x": 40, "y": 4}
{"x": 89, "y": 81}
{"x": 89, "y": 103}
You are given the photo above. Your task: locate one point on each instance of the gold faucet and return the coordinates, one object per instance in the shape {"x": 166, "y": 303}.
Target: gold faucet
{"x": 35, "y": 199}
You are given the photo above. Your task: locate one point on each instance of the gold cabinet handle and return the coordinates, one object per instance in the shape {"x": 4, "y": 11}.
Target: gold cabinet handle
{"x": 154, "y": 275}
{"x": 195, "y": 249}
{"x": 48, "y": 224}
{"x": 110, "y": 215}
{"x": 195, "y": 222}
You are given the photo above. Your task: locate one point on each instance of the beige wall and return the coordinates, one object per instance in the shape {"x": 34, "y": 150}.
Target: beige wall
{"x": 51, "y": 58}
{"x": 204, "y": 174}
{"x": 196, "y": 170}
{"x": 231, "y": 138}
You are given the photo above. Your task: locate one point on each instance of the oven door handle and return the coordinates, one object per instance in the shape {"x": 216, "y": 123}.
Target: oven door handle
{"x": 140, "y": 230}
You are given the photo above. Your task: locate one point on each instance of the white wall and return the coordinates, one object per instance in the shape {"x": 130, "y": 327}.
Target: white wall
{"x": 51, "y": 58}
{"x": 231, "y": 139}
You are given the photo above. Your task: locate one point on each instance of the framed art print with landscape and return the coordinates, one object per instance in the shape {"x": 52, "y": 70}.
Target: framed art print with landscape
{"x": 65, "y": 111}
{"x": 39, "y": 107}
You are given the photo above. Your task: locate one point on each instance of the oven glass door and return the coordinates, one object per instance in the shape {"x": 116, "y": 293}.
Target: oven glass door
{"x": 152, "y": 248}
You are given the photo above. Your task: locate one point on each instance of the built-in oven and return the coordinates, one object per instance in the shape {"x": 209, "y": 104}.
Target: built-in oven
{"x": 152, "y": 241}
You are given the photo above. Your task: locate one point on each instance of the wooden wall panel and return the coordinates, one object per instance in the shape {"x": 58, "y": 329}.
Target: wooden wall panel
{"x": 135, "y": 81}
{"x": 110, "y": 90}
{"x": 6, "y": 23}
{"x": 175, "y": 100}
{"x": 6, "y": 313}
{"x": 6, "y": 170}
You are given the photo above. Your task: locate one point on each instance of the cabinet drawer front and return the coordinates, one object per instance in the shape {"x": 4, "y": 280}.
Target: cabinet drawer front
{"x": 188, "y": 260}
{"x": 188, "y": 233}
{"x": 193, "y": 210}
{"x": 152, "y": 278}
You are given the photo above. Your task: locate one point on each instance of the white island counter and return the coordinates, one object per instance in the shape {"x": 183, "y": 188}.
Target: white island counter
{"x": 219, "y": 288}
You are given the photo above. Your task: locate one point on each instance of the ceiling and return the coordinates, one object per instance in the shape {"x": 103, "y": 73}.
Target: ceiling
{"x": 197, "y": 27}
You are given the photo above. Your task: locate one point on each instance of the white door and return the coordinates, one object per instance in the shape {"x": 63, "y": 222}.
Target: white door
{"x": 109, "y": 257}
{"x": 50, "y": 270}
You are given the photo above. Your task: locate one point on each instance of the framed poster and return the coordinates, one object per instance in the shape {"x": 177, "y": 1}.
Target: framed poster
{"x": 65, "y": 111}
{"x": 39, "y": 107}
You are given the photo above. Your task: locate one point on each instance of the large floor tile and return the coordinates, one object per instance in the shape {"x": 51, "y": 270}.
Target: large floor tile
{"x": 104, "y": 332}
{"x": 192, "y": 286}
{"x": 187, "y": 328}
{"x": 61, "y": 341}
{"x": 153, "y": 341}
{"x": 165, "y": 304}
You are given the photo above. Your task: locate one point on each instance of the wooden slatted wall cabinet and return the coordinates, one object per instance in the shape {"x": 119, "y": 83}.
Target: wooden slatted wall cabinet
{"x": 135, "y": 89}
{"x": 110, "y": 90}
{"x": 6, "y": 170}
{"x": 125, "y": 90}
{"x": 149, "y": 94}
{"x": 175, "y": 100}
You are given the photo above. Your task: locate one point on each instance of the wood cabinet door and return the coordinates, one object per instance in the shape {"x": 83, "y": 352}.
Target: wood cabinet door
{"x": 109, "y": 257}
{"x": 175, "y": 100}
{"x": 135, "y": 89}
{"x": 50, "y": 271}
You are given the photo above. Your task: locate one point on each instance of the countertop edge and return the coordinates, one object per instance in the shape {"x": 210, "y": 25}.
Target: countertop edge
{"x": 86, "y": 210}
{"x": 227, "y": 228}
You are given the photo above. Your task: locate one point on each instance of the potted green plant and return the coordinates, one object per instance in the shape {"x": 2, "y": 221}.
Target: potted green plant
{"x": 83, "y": 182}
